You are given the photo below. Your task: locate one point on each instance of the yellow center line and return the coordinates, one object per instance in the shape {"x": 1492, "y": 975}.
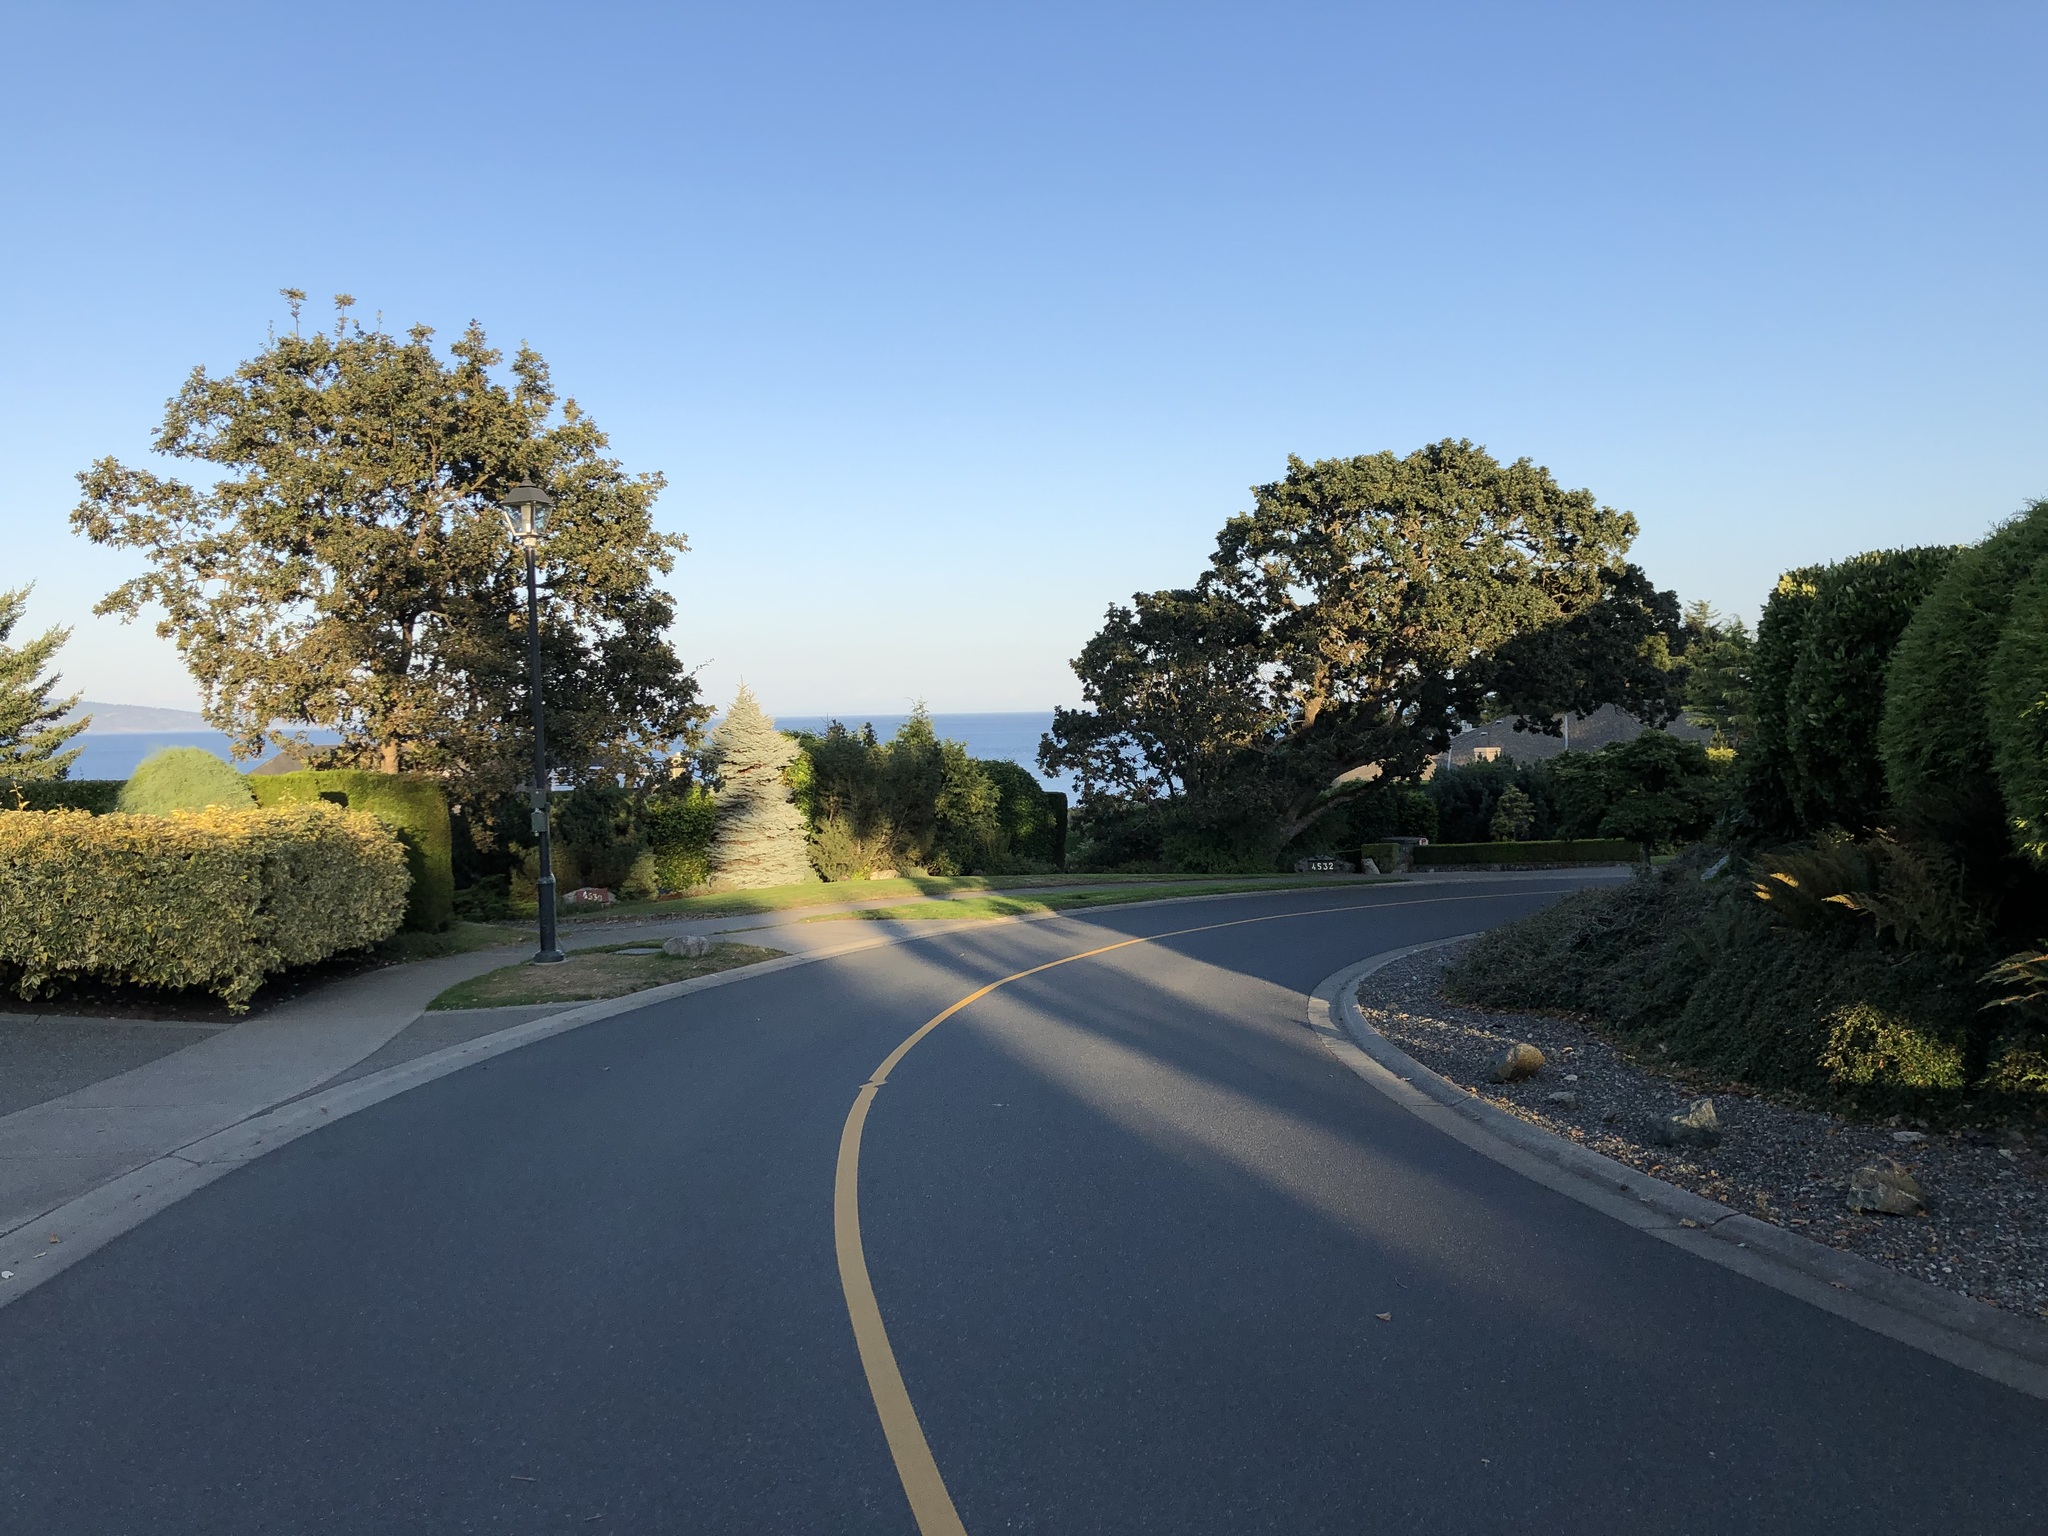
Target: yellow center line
{"x": 930, "y": 1504}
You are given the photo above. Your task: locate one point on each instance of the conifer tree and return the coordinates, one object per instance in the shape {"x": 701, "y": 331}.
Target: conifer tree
{"x": 32, "y": 728}
{"x": 759, "y": 834}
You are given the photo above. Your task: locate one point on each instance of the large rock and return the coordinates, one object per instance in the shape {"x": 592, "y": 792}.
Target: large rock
{"x": 691, "y": 946}
{"x": 1695, "y": 1126}
{"x": 1887, "y": 1187}
{"x": 1518, "y": 1061}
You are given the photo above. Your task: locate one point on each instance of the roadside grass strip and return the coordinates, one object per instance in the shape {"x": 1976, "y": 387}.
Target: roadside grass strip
{"x": 458, "y": 938}
{"x": 820, "y": 893}
{"x": 612, "y": 970}
{"x": 971, "y": 907}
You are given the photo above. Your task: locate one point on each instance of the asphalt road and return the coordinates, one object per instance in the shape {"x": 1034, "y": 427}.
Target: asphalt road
{"x": 1129, "y": 1227}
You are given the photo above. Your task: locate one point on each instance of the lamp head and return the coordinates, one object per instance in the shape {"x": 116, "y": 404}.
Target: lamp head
{"x": 523, "y": 507}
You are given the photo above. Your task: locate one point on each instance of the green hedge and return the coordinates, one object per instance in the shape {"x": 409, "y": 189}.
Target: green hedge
{"x": 95, "y": 795}
{"x": 1386, "y": 855}
{"x": 1768, "y": 771}
{"x": 1834, "y": 698}
{"x": 412, "y": 805}
{"x": 2017, "y": 691}
{"x": 1936, "y": 733}
{"x": 217, "y": 898}
{"x": 1581, "y": 850}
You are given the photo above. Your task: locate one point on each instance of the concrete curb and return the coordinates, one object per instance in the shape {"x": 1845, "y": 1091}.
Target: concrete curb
{"x": 1965, "y": 1333}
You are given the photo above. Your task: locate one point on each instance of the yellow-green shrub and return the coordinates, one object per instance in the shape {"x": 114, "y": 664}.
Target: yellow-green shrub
{"x": 216, "y": 898}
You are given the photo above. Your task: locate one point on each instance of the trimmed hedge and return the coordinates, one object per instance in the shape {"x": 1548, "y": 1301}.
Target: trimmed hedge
{"x": 1579, "y": 850}
{"x": 99, "y": 796}
{"x": 1768, "y": 771}
{"x": 1936, "y": 734}
{"x": 1833, "y": 700}
{"x": 2016, "y": 689}
{"x": 411, "y": 805}
{"x": 216, "y": 899}
{"x": 1386, "y": 855}
{"x": 184, "y": 779}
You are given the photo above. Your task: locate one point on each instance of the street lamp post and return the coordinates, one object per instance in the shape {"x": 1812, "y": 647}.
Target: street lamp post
{"x": 523, "y": 506}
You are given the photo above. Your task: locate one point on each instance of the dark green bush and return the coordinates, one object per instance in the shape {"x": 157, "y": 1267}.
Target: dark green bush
{"x": 1555, "y": 851}
{"x": 1467, "y": 796}
{"x": 1658, "y": 790}
{"x": 1936, "y": 736}
{"x": 1834, "y": 698}
{"x": 680, "y": 820}
{"x": 2016, "y": 696}
{"x": 917, "y": 802}
{"x": 98, "y": 796}
{"x": 597, "y": 825}
{"x": 412, "y": 805}
{"x": 1026, "y": 817}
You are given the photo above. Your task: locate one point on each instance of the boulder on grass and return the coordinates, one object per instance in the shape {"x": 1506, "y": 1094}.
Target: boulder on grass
{"x": 1518, "y": 1061}
{"x": 691, "y": 946}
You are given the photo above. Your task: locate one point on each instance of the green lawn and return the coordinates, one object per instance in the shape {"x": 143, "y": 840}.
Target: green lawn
{"x": 590, "y": 974}
{"x": 782, "y": 898}
{"x": 458, "y": 939}
{"x": 1067, "y": 901}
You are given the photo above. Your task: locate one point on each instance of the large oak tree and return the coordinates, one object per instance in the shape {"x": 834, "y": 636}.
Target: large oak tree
{"x": 348, "y": 568}
{"x": 1357, "y": 615}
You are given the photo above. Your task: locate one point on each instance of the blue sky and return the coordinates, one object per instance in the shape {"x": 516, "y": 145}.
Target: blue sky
{"x": 950, "y": 325}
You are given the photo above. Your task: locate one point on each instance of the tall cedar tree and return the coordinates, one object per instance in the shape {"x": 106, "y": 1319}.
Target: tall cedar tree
{"x": 758, "y": 837}
{"x": 32, "y": 726}
{"x": 349, "y": 570}
{"x": 1358, "y": 613}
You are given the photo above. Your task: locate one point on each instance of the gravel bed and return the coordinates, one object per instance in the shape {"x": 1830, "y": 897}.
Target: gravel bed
{"x": 1984, "y": 1233}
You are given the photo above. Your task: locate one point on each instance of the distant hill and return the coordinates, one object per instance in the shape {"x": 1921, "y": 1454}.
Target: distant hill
{"x": 127, "y": 719}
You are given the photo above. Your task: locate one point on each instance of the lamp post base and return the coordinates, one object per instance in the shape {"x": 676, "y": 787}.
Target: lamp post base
{"x": 550, "y": 951}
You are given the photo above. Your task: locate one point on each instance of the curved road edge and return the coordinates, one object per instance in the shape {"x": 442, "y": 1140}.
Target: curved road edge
{"x": 1954, "y": 1329}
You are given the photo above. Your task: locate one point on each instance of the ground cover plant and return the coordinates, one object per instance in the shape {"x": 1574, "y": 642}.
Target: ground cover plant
{"x": 1872, "y": 934}
{"x": 590, "y": 974}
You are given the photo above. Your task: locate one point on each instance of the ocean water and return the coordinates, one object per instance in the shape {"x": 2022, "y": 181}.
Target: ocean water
{"x": 115, "y": 754}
